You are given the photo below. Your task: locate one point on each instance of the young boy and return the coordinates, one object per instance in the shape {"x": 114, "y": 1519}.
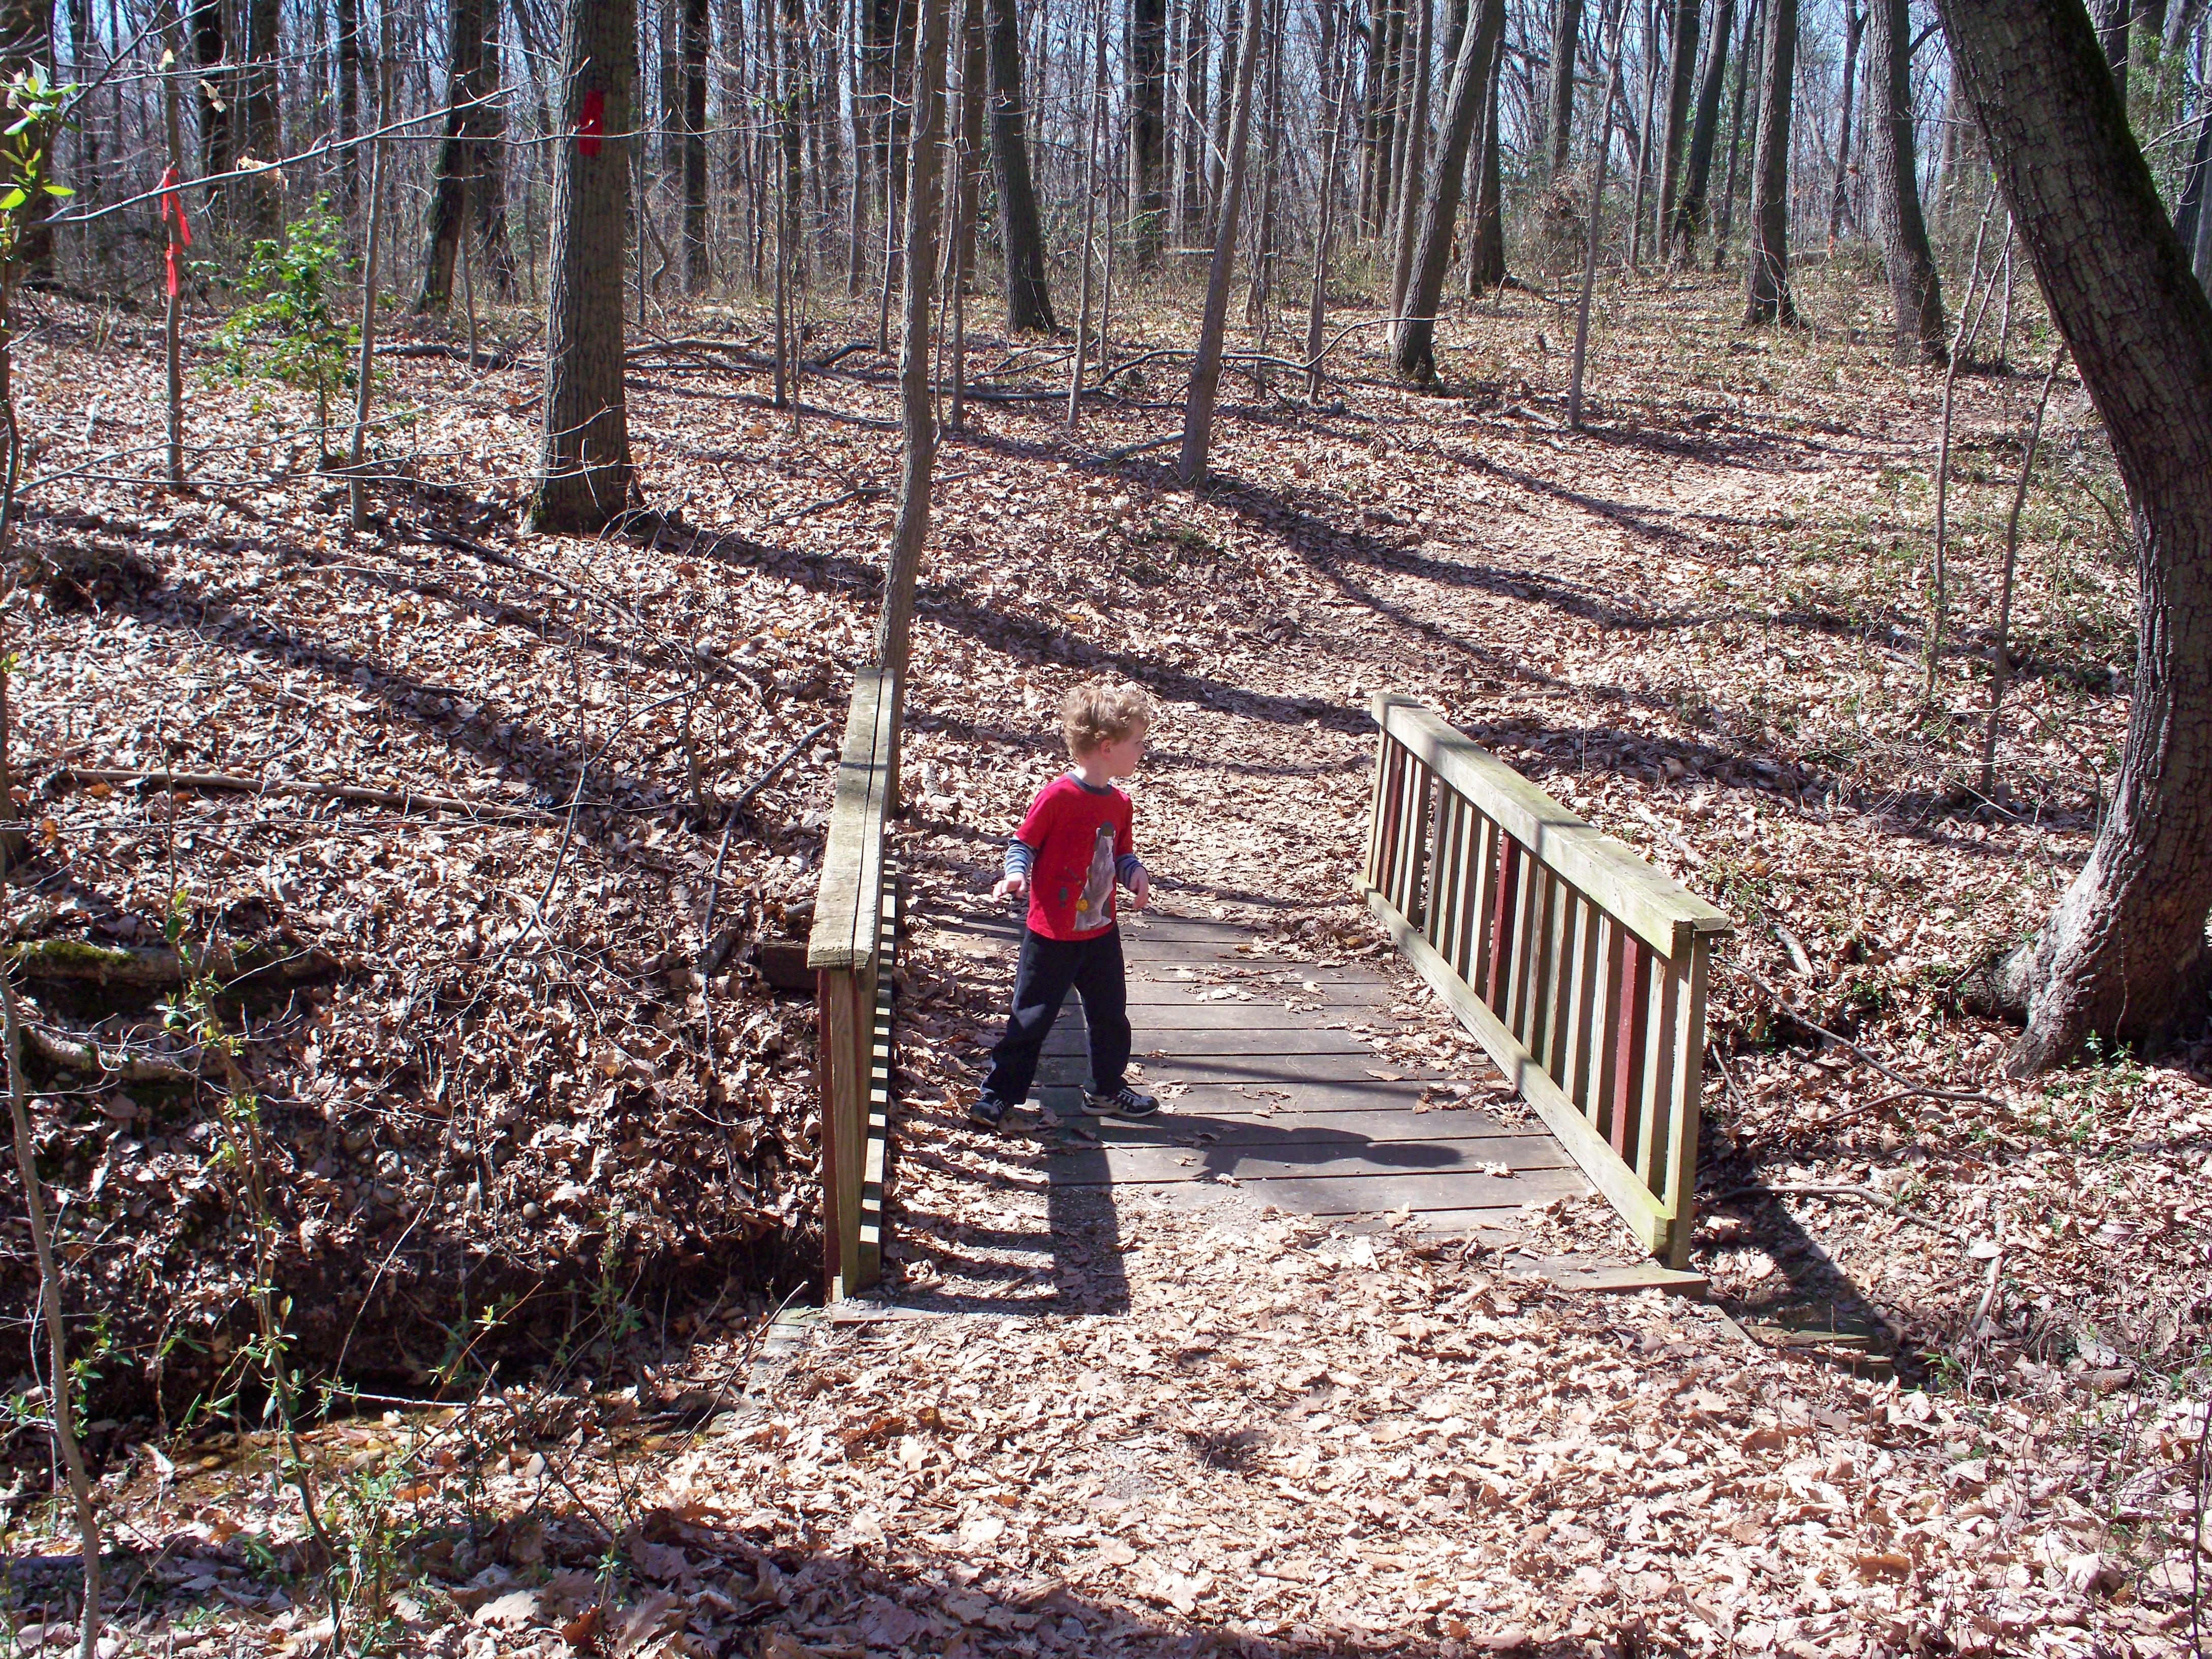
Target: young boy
{"x": 1073, "y": 847}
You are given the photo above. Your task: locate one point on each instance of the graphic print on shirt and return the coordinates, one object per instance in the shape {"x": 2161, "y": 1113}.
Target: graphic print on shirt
{"x": 1092, "y": 910}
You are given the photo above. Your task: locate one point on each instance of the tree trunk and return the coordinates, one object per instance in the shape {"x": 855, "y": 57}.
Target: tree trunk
{"x": 1412, "y": 160}
{"x": 1205, "y": 370}
{"x": 457, "y": 154}
{"x": 1566, "y": 30}
{"x": 1414, "y": 357}
{"x": 1689, "y": 222}
{"x": 1840, "y": 198}
{"x": 1224, "y": 83}
{"x": 487, "y": 194}
{"x": 1916, "y": 292}
{"x": 349, "y": 104}
{"x": 214, "y": 95}
{"x": 691, "y": 59}
{"x": 1485, "y": 250}
{"x": 1766, "y": 269}
{"x": 2123, "y": 954}
{"x": 967, "y": 196}
{"x": 1190, "y": 119}
{"x": 1148, "y": 51}
{"x": 1021, "y": 233}
{"x": 1745, "y": 66}
{"x": 265, "y": 138}
{"x": 1644, "y": 133}
{"x": 1336, "y": 57}
{"x": 585, "y": 475}
{"x": 917, "y": 418}
{"x": 2189, "y": 210}
{"x": 1681, "y": 80}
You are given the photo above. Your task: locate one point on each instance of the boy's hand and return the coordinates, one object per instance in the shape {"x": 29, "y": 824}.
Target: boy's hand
{"x": 1011, "y": 887}
{"x": 1140, "y": 890}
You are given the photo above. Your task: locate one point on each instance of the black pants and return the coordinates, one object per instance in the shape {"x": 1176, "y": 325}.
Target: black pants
{"x": 1047, "y": 969}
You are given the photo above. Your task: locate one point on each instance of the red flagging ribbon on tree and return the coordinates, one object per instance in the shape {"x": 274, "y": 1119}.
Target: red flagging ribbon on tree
{"x": 173, "y": 205}
{"x": 593, "y": 127}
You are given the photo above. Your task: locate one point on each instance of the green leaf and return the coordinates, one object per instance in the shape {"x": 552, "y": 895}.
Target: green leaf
{"x": 12, "y": 200}
{"x": 60, "y": 190}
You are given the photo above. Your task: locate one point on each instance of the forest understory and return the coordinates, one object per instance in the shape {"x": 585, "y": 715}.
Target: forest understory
{"x": 424, "y": 907}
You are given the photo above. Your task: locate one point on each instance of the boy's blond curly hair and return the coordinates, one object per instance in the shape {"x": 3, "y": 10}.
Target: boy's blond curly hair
{"x": 1102, "y": 711}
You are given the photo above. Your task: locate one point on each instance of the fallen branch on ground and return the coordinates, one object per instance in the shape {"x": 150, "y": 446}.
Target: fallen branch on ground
{"x": 1910, "y": 1084}
{"x": 1873, "y": 1195}
{"x": 403, "y": 800}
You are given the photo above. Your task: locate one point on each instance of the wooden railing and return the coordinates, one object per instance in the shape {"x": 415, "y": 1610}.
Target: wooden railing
{"x": 852, "y": 951}
{"x": 1580, "y": 968}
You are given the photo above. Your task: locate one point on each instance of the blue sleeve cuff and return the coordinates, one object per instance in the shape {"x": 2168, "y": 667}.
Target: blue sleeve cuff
{"x": 1127, "y": 868}
{"x": 1021, "y": 858}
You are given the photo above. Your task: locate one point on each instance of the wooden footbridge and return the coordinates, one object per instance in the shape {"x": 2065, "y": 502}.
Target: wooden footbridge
{"x": 1579, "y": 967}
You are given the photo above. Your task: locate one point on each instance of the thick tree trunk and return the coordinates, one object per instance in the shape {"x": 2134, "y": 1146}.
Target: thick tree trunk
{"x": 213, "y": 93}
{"x": 264, "y": 137}
{"x": 1747, "y": 65}
{"x": 1840, "y": 198}
{"x": 585, "y": 474}
{"x": 1413, "y": 158}
{"x": 1205, "y": 370}
{"x": 1689, "y": 221}
{"x": 1915, "y": 294}
{"x": 1021, "y": 233}
{"x": 457, "y": 155}
{"x": 1559, "y": 128}
{"x": 2124, "y": 955}
{"x": 1486, "y": 249}
{"x": 1766, "y": 268}
{"x": 1414, "y": 357}
{"x": 917, "y": 417}
{"x": 1681, "y": 80}
{"x": 691, "y": 58}
{"x": 1148, "y": 54}
{"x": 1336, "y": 57}
{"x": 488, "y": 193}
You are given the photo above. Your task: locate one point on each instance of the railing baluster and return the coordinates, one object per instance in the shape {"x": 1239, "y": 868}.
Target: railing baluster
{"x": 1630, "y": 1035}
{"x": 1502, "y": 931}
{"x": 1648, "y": 1157}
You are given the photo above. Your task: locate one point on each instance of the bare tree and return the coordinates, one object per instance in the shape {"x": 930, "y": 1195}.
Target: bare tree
{"x": 1148, "y": 51}
{"x": 1689, "y": 221}
{"x": 585, "y": 473}
{"x": 1414, "y": 353}
{"x": 1558, "y": 128}
{"x": 1916, "y": 292}
{"x": 1766, "y": 268}
{"x": 2123, "y": 953}
{"x": 1021, "y": 232}
{"x": 1839, "y": 203}
{"x": 469, "y": 92}
{"x": 1205, "y": 369}
{"x": 691, "y": 63}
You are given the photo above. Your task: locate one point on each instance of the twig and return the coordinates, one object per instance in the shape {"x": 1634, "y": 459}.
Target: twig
{"x": 760, "y": 782}
{"x": 1897, "y": 1077}
{"x": 403, "y": 800}
{"x": 857, "y": 493}
{"x": 1813, "y": 1189}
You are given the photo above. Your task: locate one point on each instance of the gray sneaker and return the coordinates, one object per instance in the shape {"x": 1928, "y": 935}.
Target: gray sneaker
{"x": 1124, "y": 1102}
{"x": 989, "y": 1112}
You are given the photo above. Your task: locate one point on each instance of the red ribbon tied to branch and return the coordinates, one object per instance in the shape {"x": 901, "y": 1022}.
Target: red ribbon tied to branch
{"x": 591, "y": 128}
{"x": 172, "y": 206}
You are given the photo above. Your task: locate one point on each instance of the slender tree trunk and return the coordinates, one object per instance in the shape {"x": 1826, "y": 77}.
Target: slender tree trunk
{"x": 917, "y": 419}
{"x": 2123, "y": 953}
{"x": 1566, "y": 30}
{"x": 1336, "y": 53}
{"x": 457, "y": 154}
{"x": 1090, "y": 214}
{"x": 1601, "y": 144}
{"x": 488, "y": 186}
{"x": 348, "y": 106}
{"x": 1190, "y": 120}
{"x": 364, "y": 370}
{"x": 1840, "y": 198}
{"x": 1414, "y": 356}
{"x": 1689, "y": 221}
{"x": 1148, "y": 126}
{"x": 1644, "y": 133}
{"x": 173, "y": 224}
{"x": 1231, "y": 29}
{"x": 1021, "y": 230}
{"x": 1406, "y": 191}
{"x": 691, "y": 61}
{"x": 1745, "y": 70}
{"x": 1766, "y": 273}
{"x": 967, "y": 197}
{"x": 2000, "y": 645}
{"x": 1205, "y": 370}
{"x": 1915, "y": 293}
{"x": 585, "y": 473}
{"x": 1485, "y": 248}
{"x": 1681, "y": 81}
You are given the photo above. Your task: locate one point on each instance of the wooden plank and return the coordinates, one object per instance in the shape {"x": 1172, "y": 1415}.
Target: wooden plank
{"x": 1572, "y": 1071}
{"x": 1174, "y": 1043}
{"x": 847, "y": 1040}
{"x": 1687, "y": 1104}
{"x": 1649, "y": 1152}
{"x": 848, "y": 893}
{"x": 1650, "y": 1219}
{"x": 876, "y": 1154}
{"x": 1180, "y": 1123}
{"x": 1609, "y": 1279}
{"x": 1270, "y": 1070}
{"x": 1244, "y": 1094}
{"x": 1379, "y": 1194}
{"x": 1665, "y": 914}
{"x": 1128, "y": 1165}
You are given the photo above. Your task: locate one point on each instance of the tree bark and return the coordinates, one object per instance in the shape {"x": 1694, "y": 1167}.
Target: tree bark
{"x": 1840, "y": 198}
{"x": 1406, "y": 191}
{"x": 1767, "y": 269}
{"x": 1916, "y": 292}
{"x": 1486, "y": 249}
{"x": 1021, "y": 232}
{"x": 349, "y": 104}
{"x": 691, "y": 58}
{"x": 1754, "y": 12}
{"x": 1689, "y": 222}
{"x": 1566, "y": 30}
{"x": 1190, "y": 119}
{"x": 585, "y": 474}
{"x": 1205, "y": 370}
{"x": 967, "y": 197}
{"x": 1336, "y": 57}
{"x": 1643, "y": 139}
{"x": 1681, "y": 80}
{"x": 2123, "y": 954}
{"x": 917, "y": 417}
{"x": 214, "y": 95}
{"x": 458, "y": 155}
{"x": 1414, "y": 357}
{"x": 1148, "y": 53}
